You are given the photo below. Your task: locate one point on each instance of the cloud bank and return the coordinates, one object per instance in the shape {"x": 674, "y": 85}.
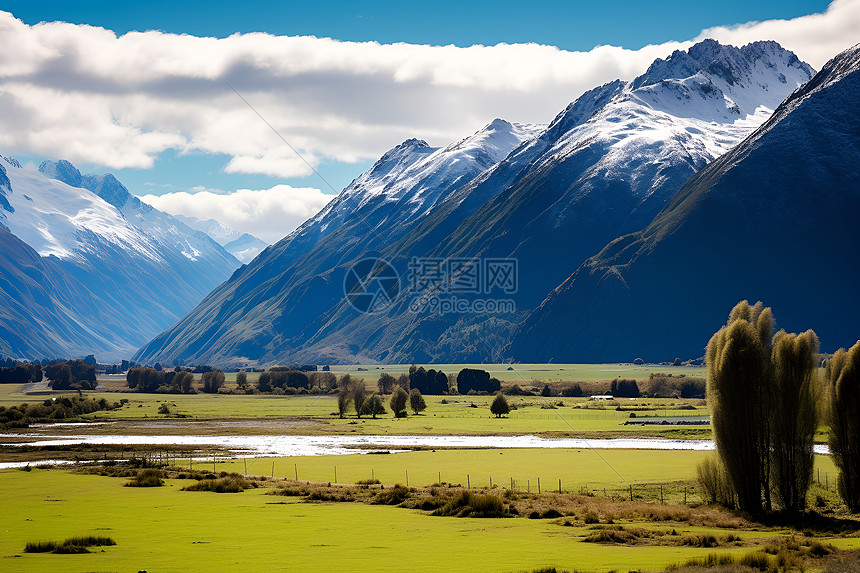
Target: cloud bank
{"x": 269, "y": 214}
{"x": 82, "y": 93}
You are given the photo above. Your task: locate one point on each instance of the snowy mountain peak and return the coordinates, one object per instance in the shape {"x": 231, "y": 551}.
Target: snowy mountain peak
{"x": 61, "y": 170}
{"x": 728, "y": 63}
{"x": 11, "y": 161}
{"x": 110, "y": 189}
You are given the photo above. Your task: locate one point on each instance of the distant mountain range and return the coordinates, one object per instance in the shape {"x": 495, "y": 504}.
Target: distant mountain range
{"x": 548, "y": 198}
{"x": 243, "y": 246}
{"x": 88, "y": 268}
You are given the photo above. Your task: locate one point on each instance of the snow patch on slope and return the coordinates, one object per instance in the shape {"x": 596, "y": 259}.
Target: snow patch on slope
{"x": 59, "y": 220}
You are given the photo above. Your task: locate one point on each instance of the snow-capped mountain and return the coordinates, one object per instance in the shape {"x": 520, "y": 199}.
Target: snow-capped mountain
{"x": 550, "y": 197}
{"x": 137, "y": 269}
{"x": 243, "y": 246}
{"x": 774, "y": 219}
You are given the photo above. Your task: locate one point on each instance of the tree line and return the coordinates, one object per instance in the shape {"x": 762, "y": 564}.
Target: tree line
{"x": 767, "y": 401}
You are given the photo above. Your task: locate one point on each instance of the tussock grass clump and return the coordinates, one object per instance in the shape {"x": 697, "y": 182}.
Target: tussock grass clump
{"x": 40, "y": 546}
{"x": 150, "y": 477}
{"x": 758, "y": 561}
{"x": 72, "y": 545}
{"x": 468, "y": 504}
{"x": 231, "y": 483}
{"x": 392, "y": 496}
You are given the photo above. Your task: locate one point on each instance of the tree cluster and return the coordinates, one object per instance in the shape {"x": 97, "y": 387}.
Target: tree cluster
{"x": 624, "y": 388}
{"x": 213, "y": 380}
{"x": 842, "y": 374}
{"x": 428, "y": 382}
{"x": 20, "y": 374}
{"x": 762, "y": 394}
{"x": 71, "y": 375}
{"x": 61, "y": 408}
{"x": 150, "y": 380}
{"x": 476, "y": 381}
{"x": 291, "y": 381}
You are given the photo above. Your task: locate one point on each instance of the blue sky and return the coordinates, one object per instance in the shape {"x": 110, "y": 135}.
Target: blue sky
{"x": 570, "y": 25}
{"x": 342, "y": 119}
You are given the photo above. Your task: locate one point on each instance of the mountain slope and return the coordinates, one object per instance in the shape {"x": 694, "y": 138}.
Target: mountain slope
{"x": 773, "y": 220}
{"x": 129, "y": 270}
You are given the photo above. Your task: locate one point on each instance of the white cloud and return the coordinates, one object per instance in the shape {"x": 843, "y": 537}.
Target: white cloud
{"x": 814, "y": 38}
{"x": 84, "y": 94}
{"x": 269, "y": 214}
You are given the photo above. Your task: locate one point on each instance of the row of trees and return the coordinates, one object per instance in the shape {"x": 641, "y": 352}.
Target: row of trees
{"x": 764, "y": 395}
{"x": 353, "y": 393}
{"x": 20, "y": 373}
{"x": 146, "y": 379}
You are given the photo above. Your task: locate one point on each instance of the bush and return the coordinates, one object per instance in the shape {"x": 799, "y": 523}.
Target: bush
{"x": 500, "y": 407}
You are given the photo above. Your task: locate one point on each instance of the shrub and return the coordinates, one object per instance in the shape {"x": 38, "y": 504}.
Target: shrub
{"x": 500, "y": 407}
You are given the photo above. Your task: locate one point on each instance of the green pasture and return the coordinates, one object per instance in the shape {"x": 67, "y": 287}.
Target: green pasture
{"x": 600, "y": 472}
{"x": 165, "y": 529}
{"x": 531, "y": 373}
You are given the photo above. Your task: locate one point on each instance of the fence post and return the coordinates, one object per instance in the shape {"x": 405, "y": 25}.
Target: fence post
{"x": 407, "y": 478}
{"x": 538, "y": 485}
{"x": 631, "y": 492}
{"x": 468, "y": 482}
{"x": 296, "y": 470}
{"x": 559, "y": 485}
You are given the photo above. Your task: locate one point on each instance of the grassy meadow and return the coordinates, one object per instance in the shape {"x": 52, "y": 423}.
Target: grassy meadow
{"x": 165, "y": 529}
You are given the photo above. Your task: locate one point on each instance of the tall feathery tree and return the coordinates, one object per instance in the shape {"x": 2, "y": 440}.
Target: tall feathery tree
{"x": 843, "y": 380}
{"x": 739, "y": 389}
{"x": 794, "y": 416}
